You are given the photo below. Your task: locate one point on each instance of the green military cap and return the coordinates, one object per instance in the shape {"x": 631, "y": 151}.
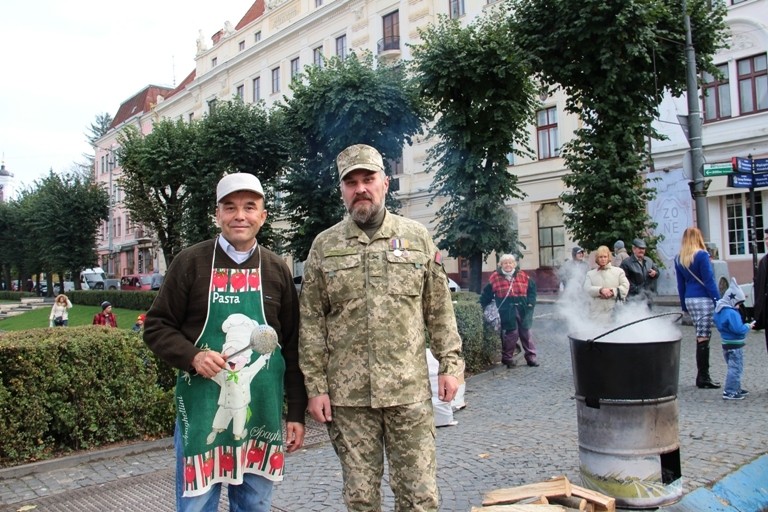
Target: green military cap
{"x": 359, "y": 156}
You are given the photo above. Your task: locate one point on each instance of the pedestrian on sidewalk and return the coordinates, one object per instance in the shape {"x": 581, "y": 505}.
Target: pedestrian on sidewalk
{"x": 734, "y": 331}
{"x": 515, "y": 295}
{"x": 224, "y": 307}
{"x": 619, "y": 253}
{"x": 607, "y": 286}
{"x": 698, "y": 294}
{"x": 761, "y": 293}
{"x": 374, "y": 286}
{"x": 642, "y": 273}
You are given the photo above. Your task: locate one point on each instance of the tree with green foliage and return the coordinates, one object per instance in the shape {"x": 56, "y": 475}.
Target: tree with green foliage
{"x": 347, "y": 101}
{"x": 614, "y": 60}
{"x": 157, "y": 170}
{"x": 67, "y": 212}
{"x": 479, "y": 87}
{"x": 239, "y": 137}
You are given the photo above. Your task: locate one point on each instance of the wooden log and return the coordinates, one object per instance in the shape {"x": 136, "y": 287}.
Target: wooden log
{"x": 521, "y": 508}
{"x": 601, "y": 502}
{"x": 558, "y": 486}
{"x": 573, "y": 502}
{"x": 536, "y": 500}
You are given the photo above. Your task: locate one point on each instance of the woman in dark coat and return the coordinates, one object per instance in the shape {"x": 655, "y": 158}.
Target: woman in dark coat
{"x": 515, "y": 295}
{"x": 761, "y": 289}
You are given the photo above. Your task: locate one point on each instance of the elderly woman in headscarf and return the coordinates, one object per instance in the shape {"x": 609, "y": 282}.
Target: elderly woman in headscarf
{"x": 515, "y": 296}
{"x": 606, "y": 285}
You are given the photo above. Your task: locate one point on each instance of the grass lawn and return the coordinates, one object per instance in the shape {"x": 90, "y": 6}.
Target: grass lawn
{"x": 78, "y": 315}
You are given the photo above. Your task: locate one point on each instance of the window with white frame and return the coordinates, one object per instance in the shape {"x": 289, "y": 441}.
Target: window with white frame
{"x": 276, "y": 80}
{"x": 551, "y": 235}
{"x": 214, "y": 62}
{"x": 241, "y": 45}
{"x": 456, "y": 8}
{"x": 717, "y": 95}
{"x": 257, "y": 37}
{"x": 739, "y": 218}
{"x": 341, "y": 47}
{"x": 294, "y": 68}
{"x": 191, "y": 116}
{"x": 317, "y": 57}
{"x": 318, "y": 3}
{"x": 240, "y": 91}
{"x": 212, "y": 106}
{"x": 753, "y": 84}
{"x": 256, "y": 89}
{"x": 546, "y": 133}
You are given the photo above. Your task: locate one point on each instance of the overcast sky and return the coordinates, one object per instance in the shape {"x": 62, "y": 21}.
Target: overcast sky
{"x": 63, "y": 63}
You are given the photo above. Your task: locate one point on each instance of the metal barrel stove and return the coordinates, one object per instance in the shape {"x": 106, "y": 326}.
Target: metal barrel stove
{"x": 626, "y": 403}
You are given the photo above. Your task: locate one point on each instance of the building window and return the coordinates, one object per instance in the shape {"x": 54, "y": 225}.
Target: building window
{"x": 256, "y": 89}
{"x": 241, "y": 45}
{"x": 317, "y": 57}
{"x": 717, "y": 95}
{"x": 276, "y": 80}
{"x": 294, "y": 68}
{"x": 212, "y": 106}
{"x": 214, "y": 62}
{"x": 257, "y": 37}
{"x": 341, "y": 47}
{"x": 753, "y": 84}
{"x": 128, "y": 227}
{"x": 546, "y": 133}
{"x": 240, "y": 91}
{"x": 391, "y": 31}
{"x": 318, "y": 3}
{"x": 456, "y": 8}
{"x": 191, "y": 116}
{"x": 739, "y": 222}
{"x": 551, "y": 236}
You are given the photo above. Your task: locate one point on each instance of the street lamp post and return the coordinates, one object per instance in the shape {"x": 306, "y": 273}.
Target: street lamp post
{"x": 699, "y": 190}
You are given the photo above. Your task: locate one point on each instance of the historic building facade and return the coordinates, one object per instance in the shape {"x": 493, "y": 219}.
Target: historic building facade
{"x": 257, "y": 58}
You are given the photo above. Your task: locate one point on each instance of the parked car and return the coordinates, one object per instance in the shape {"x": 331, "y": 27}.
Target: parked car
{"x": 136, "y": 282}
{"x": 68, "y": 287}
{"x": 453, "y": 285}
{"x": 111, "y": 284}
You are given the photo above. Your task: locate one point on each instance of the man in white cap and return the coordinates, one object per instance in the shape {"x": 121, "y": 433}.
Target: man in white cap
{"x": 374, "y": 285}
{"x": 206, "y": 285}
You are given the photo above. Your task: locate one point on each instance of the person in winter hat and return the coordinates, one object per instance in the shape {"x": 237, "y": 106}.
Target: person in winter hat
{"x": 733, "y": 330}
{"x": 106, "y": 317}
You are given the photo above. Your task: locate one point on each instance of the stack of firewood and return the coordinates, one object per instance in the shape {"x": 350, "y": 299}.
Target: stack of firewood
{"x": 555, "y": 495}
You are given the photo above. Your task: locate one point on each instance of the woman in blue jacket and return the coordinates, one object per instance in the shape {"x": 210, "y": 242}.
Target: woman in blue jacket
{"x": 698, "y": 295}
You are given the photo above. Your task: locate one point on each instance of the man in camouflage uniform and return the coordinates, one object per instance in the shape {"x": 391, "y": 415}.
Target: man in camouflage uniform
{"x": 373, "y": 285}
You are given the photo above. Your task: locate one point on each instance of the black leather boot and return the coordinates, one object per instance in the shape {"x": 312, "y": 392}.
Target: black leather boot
{"x": 703, "y": 380}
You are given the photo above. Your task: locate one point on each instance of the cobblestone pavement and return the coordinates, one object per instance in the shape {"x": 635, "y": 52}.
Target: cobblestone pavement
{"x": 519, "y": 427}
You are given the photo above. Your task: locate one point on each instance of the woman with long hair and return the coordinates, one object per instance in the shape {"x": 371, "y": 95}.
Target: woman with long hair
{"x": 698, "y": 294}
{"x": 59, "y": 316}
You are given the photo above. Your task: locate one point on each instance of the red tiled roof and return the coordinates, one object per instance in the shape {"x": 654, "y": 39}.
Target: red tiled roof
{"x": 256, "y": 10}
{"x": 141, "y": 102}
{"x": 188, "y": 80}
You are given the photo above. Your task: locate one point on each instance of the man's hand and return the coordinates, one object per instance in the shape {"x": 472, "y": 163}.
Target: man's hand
{"x": 207, "y": 363}
{"x": 294, "y": 436}
{"x": 447, "y": 386}
{"x": 320, "y": 408}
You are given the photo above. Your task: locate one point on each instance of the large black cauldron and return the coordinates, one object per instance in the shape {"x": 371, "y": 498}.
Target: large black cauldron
{"x": 625, "y": 370}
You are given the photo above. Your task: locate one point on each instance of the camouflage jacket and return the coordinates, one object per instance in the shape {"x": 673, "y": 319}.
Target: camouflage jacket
{"x": 367, "y": 306}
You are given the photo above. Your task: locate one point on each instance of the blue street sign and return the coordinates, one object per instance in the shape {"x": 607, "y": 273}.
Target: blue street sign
{"x": 745, "y": 180}
{"x": 745, "y": 166}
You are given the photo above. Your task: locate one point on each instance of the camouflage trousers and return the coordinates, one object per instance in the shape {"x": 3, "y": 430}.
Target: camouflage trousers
{"x": 361, "y": 436}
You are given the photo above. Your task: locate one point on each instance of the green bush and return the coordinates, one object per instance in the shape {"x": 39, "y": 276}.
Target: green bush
{"x": 481, "y": 346}
{"x": 78, "y": 388}
{"x": 10, "y": 295}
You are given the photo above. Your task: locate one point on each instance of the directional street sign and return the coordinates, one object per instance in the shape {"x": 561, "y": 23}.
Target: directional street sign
{"x": 745, "y": 180}
{"x": 745, "y": 165}
{"x": 719, "y": 169}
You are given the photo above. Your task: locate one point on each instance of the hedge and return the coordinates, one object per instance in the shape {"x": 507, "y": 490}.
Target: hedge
{"x": 79, "y": 388}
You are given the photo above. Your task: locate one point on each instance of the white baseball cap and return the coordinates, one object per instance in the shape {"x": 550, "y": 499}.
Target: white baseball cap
{"x": 236, "y": 182}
